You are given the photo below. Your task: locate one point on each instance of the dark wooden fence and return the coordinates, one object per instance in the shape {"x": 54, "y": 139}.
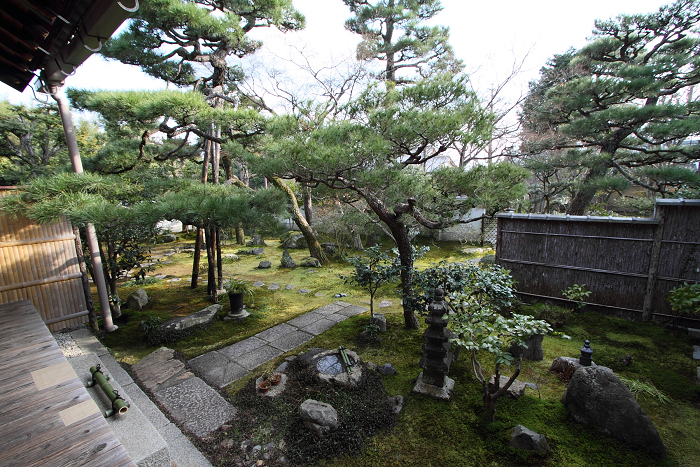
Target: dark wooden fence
{"x": 628, "y": 264}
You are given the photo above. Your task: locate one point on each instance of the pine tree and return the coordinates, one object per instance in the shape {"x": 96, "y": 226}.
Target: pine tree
{"x": 622, "y": 107}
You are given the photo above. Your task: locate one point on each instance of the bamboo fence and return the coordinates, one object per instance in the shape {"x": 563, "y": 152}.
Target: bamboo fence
{"x": 628, "y": 264}
{"x": 39, "y": 263}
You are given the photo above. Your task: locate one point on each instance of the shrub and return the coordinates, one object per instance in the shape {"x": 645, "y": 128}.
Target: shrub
{"x": 685, "y": 300}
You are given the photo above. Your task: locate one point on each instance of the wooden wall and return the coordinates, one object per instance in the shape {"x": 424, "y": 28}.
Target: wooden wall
{"x": 39, "y": 263}
{"x": 622, "y": 261}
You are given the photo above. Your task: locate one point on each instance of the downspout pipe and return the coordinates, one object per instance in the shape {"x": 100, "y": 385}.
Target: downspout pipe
{"x": 76, "y": 162}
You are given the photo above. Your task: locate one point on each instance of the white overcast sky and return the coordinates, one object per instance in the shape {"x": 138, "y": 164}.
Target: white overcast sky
{"x": 487, "y": 35}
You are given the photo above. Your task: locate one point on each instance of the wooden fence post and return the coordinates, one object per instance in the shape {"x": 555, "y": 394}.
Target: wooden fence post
{"x": 654, "y": 263}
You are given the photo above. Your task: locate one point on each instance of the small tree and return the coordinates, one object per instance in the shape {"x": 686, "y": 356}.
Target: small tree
{"x": 373, "y": 268}
{"x": 478, "y": 326}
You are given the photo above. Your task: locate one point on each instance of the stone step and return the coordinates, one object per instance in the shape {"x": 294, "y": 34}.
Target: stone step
{"x": 139, "y": 437}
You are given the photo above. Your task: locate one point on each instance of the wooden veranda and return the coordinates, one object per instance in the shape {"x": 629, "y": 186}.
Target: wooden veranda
{"x": 47, "y": 417}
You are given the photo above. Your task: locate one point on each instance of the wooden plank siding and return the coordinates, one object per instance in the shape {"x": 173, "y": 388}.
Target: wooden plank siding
{"x": 612, "y": 256}
{"x": 46, "y": 425}
{"x": 39, "y": 263}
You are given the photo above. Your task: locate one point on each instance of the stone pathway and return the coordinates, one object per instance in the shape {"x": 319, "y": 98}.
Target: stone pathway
{"x": 224, "y": 366}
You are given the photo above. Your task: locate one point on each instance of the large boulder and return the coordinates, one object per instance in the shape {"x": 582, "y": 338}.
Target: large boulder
{"x": 137, "y": 300}
{"x": 168, "y": 238}
{"x": 287, "y": 261}
{"x": 596, "y": 396}
{"x": 199, "y": 318}
{"x": 264, "y": 265}
{"x": 318, "y": 417}
{"x": 294, "y": 241}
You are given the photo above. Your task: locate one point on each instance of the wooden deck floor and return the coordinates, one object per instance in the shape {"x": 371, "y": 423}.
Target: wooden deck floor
{"x": 47, "y": 417}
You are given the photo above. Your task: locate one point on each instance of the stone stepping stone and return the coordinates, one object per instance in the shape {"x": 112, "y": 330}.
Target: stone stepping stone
{"x": 258, "y": 284}
{"x": 305, "y": 319}
{"x": 197, "y": 406}
{"x": 289, "y": 286}
{"x": 292, "y": 341}
{"x": 318, "y": 294}
{"x": 304, "y": 291}
{"x": 242, "y": 347}
{"x": 352, "y": 310}
{"x": 319, "y": 326}
{"x": 275, "y": 332}
{"x": 385, "y": 303}
{"x": 257, "y": 357}
{"x": 217, "y": 369}
{"x": 274, "y": 286}
{"x": 329, "y": 309}
{"x": 175, "y": 279}
{"x": 696, "y": 352}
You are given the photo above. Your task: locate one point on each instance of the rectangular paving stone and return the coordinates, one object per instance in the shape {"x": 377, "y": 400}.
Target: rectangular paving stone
{"x": 146, "y": 405}
{"x": 116, "y": 370}
{"x": 257, "y": 357}
{"x": 337, "y": 317}
{"x": 319, "y": 326}
{"x": 341, "y": 304}
{"x": 292, "y": 341}
{"x": 275, "y": 332}
{"x": 196, "y": 406}
{"x": 353, "y": 310}
{"x": 330, "y": 308}
{"x": 87, "y": 342}
{"x": 242, "y": 347}
{"x": 305, "y": 319}
{"x": 217, "y": 369}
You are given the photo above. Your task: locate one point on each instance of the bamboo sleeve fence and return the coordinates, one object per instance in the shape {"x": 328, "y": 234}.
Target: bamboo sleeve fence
{"x": 628, "y": 264}
{"x": 39, "y": 263}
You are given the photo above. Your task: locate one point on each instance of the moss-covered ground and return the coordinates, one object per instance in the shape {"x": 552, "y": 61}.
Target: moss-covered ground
{"x": 430, "y": 432}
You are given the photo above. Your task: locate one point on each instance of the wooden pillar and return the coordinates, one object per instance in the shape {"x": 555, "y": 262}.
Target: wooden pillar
{"x": 654, "y": 263}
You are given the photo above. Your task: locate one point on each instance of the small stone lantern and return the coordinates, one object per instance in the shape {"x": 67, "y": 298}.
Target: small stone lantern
{"x": 586, "y": 357}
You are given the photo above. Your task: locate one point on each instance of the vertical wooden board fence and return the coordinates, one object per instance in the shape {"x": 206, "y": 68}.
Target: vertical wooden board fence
{"x": 612, "y": 256}
{"x": 39, "y": 263}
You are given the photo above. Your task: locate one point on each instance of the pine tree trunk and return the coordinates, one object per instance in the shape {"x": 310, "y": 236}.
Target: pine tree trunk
{"x": 308, "y": 204}
{"x": 240, "y": 234}
{"x": 92, "y": 314}
{"x": 315, "y": 249}
{"x": 197, "y": 257}
{"x": 586, "y": 193}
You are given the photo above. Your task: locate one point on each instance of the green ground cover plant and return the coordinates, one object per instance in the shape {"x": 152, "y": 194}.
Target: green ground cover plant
{"x": 430, "y": 432}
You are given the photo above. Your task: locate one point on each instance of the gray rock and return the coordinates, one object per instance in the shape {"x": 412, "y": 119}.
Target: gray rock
{"x": 258, "y": 284}
{"x": 257, "y": 251}
{"x": 168, "y": 238}
{"x": 230, "y": 257}
{"x": 385, "y": 303}
{"x": 379, "y": 320}
{"x": 596, "y": 397}
{"x": 137, "y": 299}
{"x": 340, "y": 295}
{"x": 396, "y": 403}
{"x": 311, "y": 263}
{"x": 329, "y": 248}
{"x": 304, "y": 291}
{"x": 532, "y": 349}
{"x": 264, "y": 265}
{"x": 256, "y": 239}
{"x": 515, "y": 390}
{"x": 287, "y": 261}
{"x": 387, "y": 369}
{"x": 204, "y": 316}
{"x": 294, "y": 241}
{"x": 274, "y": 286}
{"x": 289, "y": 286}
{"x": 524, "y": 438}
{"x": 318, "y": 417}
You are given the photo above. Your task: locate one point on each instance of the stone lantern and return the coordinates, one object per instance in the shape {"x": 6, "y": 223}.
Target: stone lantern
{"x": 437, "y": 357}
{"x": 586, "y": 357}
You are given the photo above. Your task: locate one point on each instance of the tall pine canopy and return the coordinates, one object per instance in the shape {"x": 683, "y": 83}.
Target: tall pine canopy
{"x": 622, "y": 107}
